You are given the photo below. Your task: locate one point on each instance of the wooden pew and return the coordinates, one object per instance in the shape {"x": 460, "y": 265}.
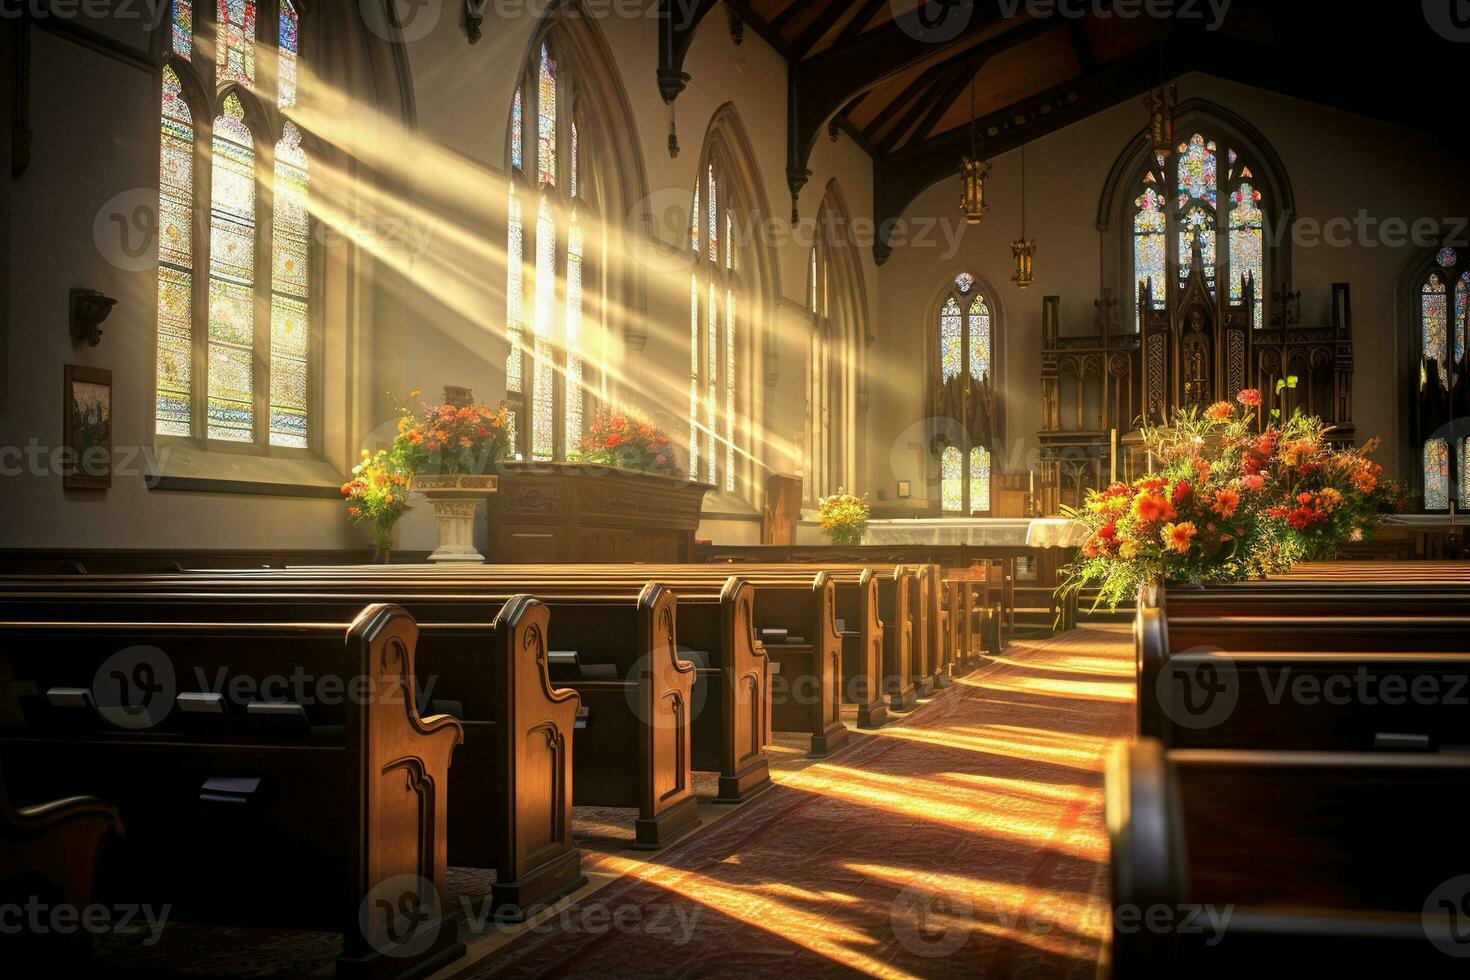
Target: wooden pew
{"x": 636, "y": 712}
{"x": 1324, "y": 698}
{"x": 51, "y": 851}
{"x": 1345, "y": 861}
{"x": 806, "y": 677}
{"x": 327, "y": 815}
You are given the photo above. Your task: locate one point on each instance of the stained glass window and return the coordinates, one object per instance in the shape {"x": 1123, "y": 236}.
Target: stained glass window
{"x": 951, "y": 340}
{"x": 1434, "y": 316}
{"x": 572, "y": 183}
{"x": 572, "y": 417}
{"x": 1246, "y": 247}
{"x": 517, "y": 131}
{"x": 1150, "y": 263}
{"x": 546, "y": 119}
{"x": 980, "y": 478}
{"x": 290, "y": 319}
{"x": 252, "y": 349}
{"x": 234, "y": 41}
{"x": 1447, "y": 257}
{"x": 543, "y": 444}
{"x": 1197, "y": 171}
{"x": 232, "y": 277}
{"x": 515, "y": 257}
{"x": 1436, "y": 475}
{"x": 182, "y": 33}
{"x": 965, "y": 346}
{"x": 289, "y": 48}
{"x": 1463, "y": 451}
{"x": 1230, "y": 243}
{"x": 713, "y": 359}
{"x": 952, "y": 480}
{"x": 1462, "y": 315}
{"x": 979, "y": 339}
{"x": 175, "y": 352}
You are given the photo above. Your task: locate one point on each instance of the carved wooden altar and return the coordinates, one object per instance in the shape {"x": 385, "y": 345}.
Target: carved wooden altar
{"x": 569, "y": 512}
{"x": 1198, "y": 347}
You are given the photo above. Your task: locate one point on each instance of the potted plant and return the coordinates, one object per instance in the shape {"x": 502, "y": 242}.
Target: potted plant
{"x": 623, "y": 440}
{"x": 377, "y": 494}
{"x": 1229, "y": 500}
{"x": 450, "y": 449}
{"x": 842, "y": 518}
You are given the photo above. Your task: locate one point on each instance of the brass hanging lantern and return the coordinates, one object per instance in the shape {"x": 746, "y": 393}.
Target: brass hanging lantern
{"x": 973, "y": 172}
{"x": 1160, "y": 103}
{"x": 1023, "y": 250}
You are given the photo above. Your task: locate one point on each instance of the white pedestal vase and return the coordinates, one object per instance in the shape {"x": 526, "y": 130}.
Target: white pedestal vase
{"x": 456, "y": 499}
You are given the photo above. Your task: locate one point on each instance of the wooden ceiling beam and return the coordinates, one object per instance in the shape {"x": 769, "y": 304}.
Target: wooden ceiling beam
{"x": 821, "y": 85}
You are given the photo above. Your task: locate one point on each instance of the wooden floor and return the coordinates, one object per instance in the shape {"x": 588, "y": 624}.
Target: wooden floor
{"x": 965, "y": 839}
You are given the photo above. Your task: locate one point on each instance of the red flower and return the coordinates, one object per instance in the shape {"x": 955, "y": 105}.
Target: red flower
{"x": 1255, "y": 482}
{"x": 1108, "y": 531}
{"x": 1182, "y": 493}
{"x": 1249, "y": 396}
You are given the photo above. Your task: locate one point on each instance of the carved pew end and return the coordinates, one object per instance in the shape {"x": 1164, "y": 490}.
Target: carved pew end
{"x": 657, "y": 832}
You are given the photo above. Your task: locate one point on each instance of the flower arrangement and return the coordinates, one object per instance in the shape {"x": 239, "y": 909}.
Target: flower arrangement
{"x": 450, "y": 438}
{"x": 842, "y": 517}
{"x": 1229, "y": 500}
{"x": 377, "y": 493}
{"x": 621, "y": 439}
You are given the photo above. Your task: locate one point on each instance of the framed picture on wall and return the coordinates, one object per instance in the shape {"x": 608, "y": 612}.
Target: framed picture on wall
{"x": 903, "y": 489}
{"x": 87, "y": 456}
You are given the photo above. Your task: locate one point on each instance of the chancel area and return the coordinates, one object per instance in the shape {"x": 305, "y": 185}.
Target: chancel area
{"x": 714, "y": 488}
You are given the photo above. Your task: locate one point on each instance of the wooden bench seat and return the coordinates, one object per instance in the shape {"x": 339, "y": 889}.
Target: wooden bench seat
{"x": 634, "y": 750}
{"x": 1346, "y": 861}
{"x": 276, "y": 809}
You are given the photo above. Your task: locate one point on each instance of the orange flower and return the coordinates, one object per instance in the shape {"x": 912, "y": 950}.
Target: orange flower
{"x": 1178, "y": 536}
{"x": 1220, "y": 412}
{"x": 1226, "y": 502}
{"x": 1150, "y": 507}
{"x": 1249, "y": 396}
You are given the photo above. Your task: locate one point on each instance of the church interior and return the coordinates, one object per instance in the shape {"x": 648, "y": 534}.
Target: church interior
{"x": 969, "y": 429}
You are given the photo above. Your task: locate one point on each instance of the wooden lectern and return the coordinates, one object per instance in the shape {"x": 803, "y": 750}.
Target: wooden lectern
{"x": 783, "y": 510}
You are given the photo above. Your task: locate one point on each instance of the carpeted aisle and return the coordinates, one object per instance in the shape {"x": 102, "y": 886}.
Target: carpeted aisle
{"x": 965, "y": 839}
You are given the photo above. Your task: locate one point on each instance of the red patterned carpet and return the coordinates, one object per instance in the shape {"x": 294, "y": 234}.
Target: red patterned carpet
{"x": 965, "y": 839}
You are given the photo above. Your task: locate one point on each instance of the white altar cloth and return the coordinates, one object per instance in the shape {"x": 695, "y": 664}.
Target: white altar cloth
{"x": 1045, "y": 532}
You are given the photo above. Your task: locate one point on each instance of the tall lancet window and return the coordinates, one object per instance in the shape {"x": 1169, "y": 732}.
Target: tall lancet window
{"x": 1442, "y": 308}
{"x": 965, "y": 349}
{"x": 549, "y": 221}
{"x": 1197, "y": 200}
{"x": 714, "y": 322}
{"x": 236, "y": 353}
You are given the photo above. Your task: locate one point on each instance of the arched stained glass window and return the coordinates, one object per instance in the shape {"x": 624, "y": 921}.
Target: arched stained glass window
{"x": 235, "y": 358}
{"x": 1216, "y": 208}
{"x": 232, "y": 276}
{"x": 547, "y": 264}
{"x": 713, "y": 327}
{"x": 965, "y": 346}
{"x": 234, "y": 42}
{"x": 175, "y": 261}
{"x": 1443, "y": 332}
